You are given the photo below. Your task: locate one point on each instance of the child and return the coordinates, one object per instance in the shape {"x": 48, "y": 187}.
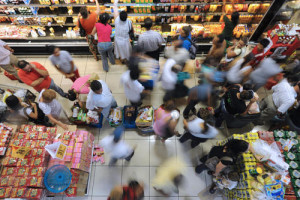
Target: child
{"x": 229, "y": 181}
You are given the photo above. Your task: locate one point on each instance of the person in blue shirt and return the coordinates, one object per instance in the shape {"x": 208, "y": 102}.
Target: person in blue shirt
{"x": 186, "y": 37}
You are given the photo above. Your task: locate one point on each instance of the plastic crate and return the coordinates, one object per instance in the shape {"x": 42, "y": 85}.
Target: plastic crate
{"x": 129, "y": 124}
{"x": 116, "y": 125}
{"x": 98, "y": 125}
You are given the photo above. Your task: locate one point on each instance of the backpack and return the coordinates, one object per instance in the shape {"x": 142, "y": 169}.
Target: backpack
{"x": 81, "y": 29}
{"x": 193, "y": 49}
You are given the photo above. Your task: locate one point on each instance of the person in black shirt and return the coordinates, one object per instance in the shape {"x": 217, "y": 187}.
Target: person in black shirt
{"x": 234, "y": 103}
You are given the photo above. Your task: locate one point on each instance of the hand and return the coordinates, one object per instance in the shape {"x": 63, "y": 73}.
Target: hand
{"x": 65, "y": 126}
{"x": 253, "y": 100}
{"x": 219, "y": 168}
{"x": 33, "y": 104}
{"x": 11, "y": 50}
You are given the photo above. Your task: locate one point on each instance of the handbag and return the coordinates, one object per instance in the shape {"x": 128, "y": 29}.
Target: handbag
{"x": 81, "y": 29}
{"x": 130, "y": 32}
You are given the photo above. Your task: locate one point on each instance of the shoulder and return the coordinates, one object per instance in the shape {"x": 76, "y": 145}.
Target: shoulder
{"x": 64, "y": 52}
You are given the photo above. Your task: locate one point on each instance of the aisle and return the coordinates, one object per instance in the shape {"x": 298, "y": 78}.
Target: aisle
{"x": 150, "y": 153}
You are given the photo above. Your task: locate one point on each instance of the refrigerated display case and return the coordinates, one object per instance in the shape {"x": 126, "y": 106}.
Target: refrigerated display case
{"x": 30, "y": 25}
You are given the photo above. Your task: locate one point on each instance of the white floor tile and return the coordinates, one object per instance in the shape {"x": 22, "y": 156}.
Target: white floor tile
{"x": 91, "y": 181}
{"x": 163, "y": 198}
{"x": 159, "y": 151}
{"x": 113, "y": 82}
{"x": 134, "y": 134}
{"x": 105, "y": 179}
{"x": 185, "y": 153}
{"x": 98, "y": 198}
{"x": 141, "y": 153}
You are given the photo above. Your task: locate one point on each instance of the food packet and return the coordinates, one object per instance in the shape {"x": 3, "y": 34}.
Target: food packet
{"x": 25, "y": 128}
{"x": 34, "y": 193}
{"x": 32, "y": 136}
{"x": 18, "y": 192}
{"x": 36, "y": 171}
{"x": 5, "y": 192}
{"x": 7, "y": 171}
{"x": 22, "y": 171}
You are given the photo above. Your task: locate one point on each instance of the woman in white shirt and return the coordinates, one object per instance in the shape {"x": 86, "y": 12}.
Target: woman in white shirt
{"x": 198, "y": 131}
{"x": 51, "y": 107}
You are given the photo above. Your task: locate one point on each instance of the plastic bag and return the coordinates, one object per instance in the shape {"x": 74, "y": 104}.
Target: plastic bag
{"x": 263, "y": 149}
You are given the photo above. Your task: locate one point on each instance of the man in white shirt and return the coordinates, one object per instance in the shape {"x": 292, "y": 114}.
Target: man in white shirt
{"x": 132, "y": 87}
{"x": 169, "y": 75}
{"x": 279, "y": 102}
{"x": 7, "y": 59}
{"x": 100, "y": 98}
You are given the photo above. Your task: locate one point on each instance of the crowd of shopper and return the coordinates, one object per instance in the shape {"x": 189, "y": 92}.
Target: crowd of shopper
{"x": 229, "y": 76}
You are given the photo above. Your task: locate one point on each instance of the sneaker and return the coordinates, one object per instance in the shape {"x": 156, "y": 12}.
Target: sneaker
{"x": 200, "y": 168}
{"x": 213, "y": 189}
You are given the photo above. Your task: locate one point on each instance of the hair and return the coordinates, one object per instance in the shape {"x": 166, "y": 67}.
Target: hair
{"x": 187, "y": 30}
{"x": 221, "y": 38}
{"x": 51, "y": 48}
{"x": 84, "y": 13}
{"x": 148, "y": 23}
{"x": 22, "y": 64}
{"x": 96, "y": 85}
{"x": 133, "y": 184}
{"x": 264, "y": 42}
{"x": 13, "y": 102}
{"x": 169, "y": 103}
{"x": 233, "y": 176}
{"x": 134, "y": 73}
{"x": 116, "y": 194}
{"x": 237, "y": 146}
{"x": 244, "y": 39}
{"x": 123, "y": 16}
{"x": 246, "y": 94}
{"x": 247, "y": 59}
{"x": 72, "y": 95}
{"x": 235, "y": 16}
{"x": 48, "y": 95}
{"x": 104, "y": 18}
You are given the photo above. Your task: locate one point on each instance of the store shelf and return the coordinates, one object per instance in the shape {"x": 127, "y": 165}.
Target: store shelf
{"x": 40, "y": 15}
{"x": 67, "y": 24}
{"x": 44, "y": 5}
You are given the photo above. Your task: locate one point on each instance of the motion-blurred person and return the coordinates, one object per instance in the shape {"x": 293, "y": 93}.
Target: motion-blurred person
{"x": 123, "y": 26}
{"x": 63, "y": 62}
{"x": 166, "y": 119}
{"x": 105, "y": 46}
{"x": 217, "y": 51}
{"x": 198, "y": 131}
{"x": 230, "y": 24}
{"x": 34, "y": 74}
{"x": 100, "y": 98}
{"x": 8, "y": 60}
{"x": 186, "y": 37}
{"x": 259, "y": 51}
{"x": 150, "y": 41}
{"x": 31, "y": 112}
{"x": 240, "y": 71}
{"x": 52, "y": 108}
{"x": 88, "y": 22}
{"x": 116, "y": 147}
{"x": 133, "y": 191}
{"x": 169, "y": 176}
{"x": 235, "y": 50}
{"x": 177, "y": 52}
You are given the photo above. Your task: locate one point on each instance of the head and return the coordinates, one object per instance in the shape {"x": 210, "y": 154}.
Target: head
{"x": 246, "y": 95}
{"x": 233, "y": 176}
{"x": 123, "y": 16}
{"x": 54, "y": 50}
{"x": 178, "y": 179}
{"x": 242, "y": 42}
{"x": 185, "y": 31}
{"x": 148, "y": 23}
{"x": 104, "y": 18}
{"x": 72, "y": 95}
{"x": 48, "y": 95}
{"x": 176, "y": 68}
{"x": 235, "y": 18}
{"x": 262, "y": 44}
{"x": 248, "y": 59}
{"x": 13, "y": 102}
{"x": 134, "y": 74}
{"x": 84, "y": 13}
{"x": 218, "y": 40}
{"x": 116, "y": 193}
{"x": 247, "y": 86}
{"x": 24, "y": 65}
{"x": 169, "y": 103}
{"x": 96, "y": 86}
{"x": 237, "y": 146}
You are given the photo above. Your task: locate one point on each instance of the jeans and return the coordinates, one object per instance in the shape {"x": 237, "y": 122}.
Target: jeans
{"x": 106, "y": 49}
{"x": 57, "y": 89}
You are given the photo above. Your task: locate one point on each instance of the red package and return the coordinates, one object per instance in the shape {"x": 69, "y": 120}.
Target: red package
{"x": 22, "y": 171}
{"x": 37, "y": 162}
{"x": 30, "y": 143}
{"x": 8, "y": 151}
{"x": 10, "y": 162}
{"x": 35, "y": 181}
{"x": 11, "y": 181}
{"x": 26, "y": 128}
{"x": 71, "y": 192}
{"x": 38, "y": 128}
{"x": 7, "y": 171}
{"x": 44, "y": 136}
{"x": 33, "y": 193}
{"x": 18, "y": 192}
{"x": 24, "y": 162}
{"x": 42, "y": 143}
{"x": 39, "y": 153}
{"x": 51, "y": 130}
{"x": 16, "y": 142}
{"x": 279, "y": 146}
{"x": 5, "y": 192}
{"x": 32, "y": 136}
{"x": 4, "y": 181}
{"x": 20, "y": 136}
{"x": 21, "y": 182}
{"x": 36, "y": 171}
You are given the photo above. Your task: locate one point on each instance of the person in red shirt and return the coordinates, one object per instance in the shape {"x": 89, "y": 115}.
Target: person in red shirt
{"x": 34, "y": 74}
{"x": 259, "y": 51}
{"x": 133, "y": 191}
{"x": 88, "y": 22}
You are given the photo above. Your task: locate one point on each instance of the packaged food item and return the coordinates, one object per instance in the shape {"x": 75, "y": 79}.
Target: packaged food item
{"x": 20, "y": 136}
{"x": 5, "y": 192}
{"x": 4, "y": 181}
{"x": 36, "y": 181}
{"x": 38, "y": 128}
{"x": 32, "y": 136}
{"x": 10, "y": 162}
{"x": 71, "y": 192}
{"x": 22, "y": 171}
{"x": 37, "y": 162}
{"x": 21, "y": 182}
{"x": 24, "y": 162}
{"x": 25, "y": 128}
{"x": 36, "y": 171}
{"x": 34, "y": 193}
{"x": 7, "y": 171}
{"x": 18, "y": 192}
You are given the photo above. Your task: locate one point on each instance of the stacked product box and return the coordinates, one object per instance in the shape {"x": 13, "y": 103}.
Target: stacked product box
{"x": 292, "y": 157}
{"x": 5, "y": 135}
{"x": 23, "y": 177}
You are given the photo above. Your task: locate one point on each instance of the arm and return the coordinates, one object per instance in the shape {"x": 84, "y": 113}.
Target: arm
{"x": 284, "y": 107}
{"x": 249, "y": 105}
{"x": 42, "y": 72}
{"x": 59, "y": 70}
{"x": 34, "y": 113}
{"x": 116, "y": 11}
{"x": 230, "y": 52}
{"x": 55, "y": 121}
{"x": 8, "y": 48}
{"x": 37, "y": 82}
{"x": 94, "y": 31}
{"x": 72, "y": 66}
{"x": 185, "y": 123}
{"x": 98, "y": 8}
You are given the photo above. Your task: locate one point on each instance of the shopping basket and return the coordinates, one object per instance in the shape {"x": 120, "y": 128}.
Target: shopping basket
{"x": 145, "y": 127}
{"x": 129, "y": 123}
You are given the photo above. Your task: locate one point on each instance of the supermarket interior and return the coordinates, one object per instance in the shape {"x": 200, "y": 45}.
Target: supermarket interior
{"x": 205, "y": 106}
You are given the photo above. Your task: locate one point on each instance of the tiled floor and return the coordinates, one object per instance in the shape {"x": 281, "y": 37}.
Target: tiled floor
{"x": 150, "y": 153}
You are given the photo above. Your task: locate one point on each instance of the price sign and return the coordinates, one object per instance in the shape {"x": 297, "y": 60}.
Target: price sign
{"x": 19, "y": 152}
{"x": 61, "y": 151}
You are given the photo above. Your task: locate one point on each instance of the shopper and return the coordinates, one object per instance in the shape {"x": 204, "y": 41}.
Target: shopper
{"x": 229, "y": 24}
{"x": 63, "y": 62}
{"x": 82, "y": 84}
{"x": 198, "y": 131}
{"x": 105, "y": 46}
{"x": 34, "y": 74}
{"x": 234, "y": 51}
{"x": 8, "y": 61}
{"x": 260, "y": 50}
{"x": 123, "y": 27}
{"x": 133, "y": 191}
{"x": 169, "y": 75}
{"x": 134, "y": 90}
{"x": 218, "y": 48}
{"x": 100, "y": 98}
{"x": 88, "y": 22}
{"x": 116, "y": 147}
{"x": 186, "y": 37}
{"x": 31, "y": 112}
{"x": 177, "y": 52}
{"x": 52, "y": 108}
{"x": 277, "y": 103}
{"x": 166, "y": 122}
{"x": 150, "y": 41}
